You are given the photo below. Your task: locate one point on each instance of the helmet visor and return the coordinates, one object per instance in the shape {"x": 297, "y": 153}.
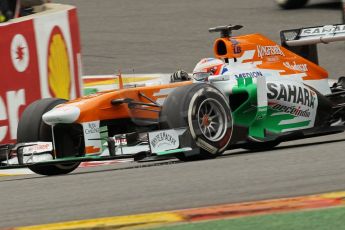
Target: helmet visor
{"x": 201, "y": 76}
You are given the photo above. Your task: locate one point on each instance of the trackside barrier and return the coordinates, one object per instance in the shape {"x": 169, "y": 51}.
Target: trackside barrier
{"x": 40, "y": 58}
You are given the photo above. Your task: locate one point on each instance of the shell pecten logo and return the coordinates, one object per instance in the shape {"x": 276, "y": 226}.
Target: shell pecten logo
{"x": 59, "y": 75}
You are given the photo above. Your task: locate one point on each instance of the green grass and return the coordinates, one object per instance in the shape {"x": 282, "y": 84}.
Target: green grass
{"x": 321, "y": 219}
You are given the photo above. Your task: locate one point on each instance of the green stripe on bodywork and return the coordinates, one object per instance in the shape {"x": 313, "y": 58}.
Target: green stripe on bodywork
{"x": 272, "y": 123}
{"x": 248, "y": 114}
{"x": 259, "y": 119}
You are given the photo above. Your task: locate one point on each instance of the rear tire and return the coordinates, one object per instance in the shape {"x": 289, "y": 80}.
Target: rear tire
{"x": 31, "y": 128}
{"x": 291, "y": 4}
{"x": 205, "y": 112}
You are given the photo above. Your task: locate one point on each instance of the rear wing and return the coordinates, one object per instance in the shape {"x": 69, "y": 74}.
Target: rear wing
{"x": 303, "y": 41}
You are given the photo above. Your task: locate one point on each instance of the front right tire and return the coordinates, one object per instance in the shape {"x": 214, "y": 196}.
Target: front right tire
{"x": 205, "y": 112}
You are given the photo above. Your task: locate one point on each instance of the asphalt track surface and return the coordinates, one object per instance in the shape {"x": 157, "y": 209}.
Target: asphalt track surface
{"x": 162, "y": 36}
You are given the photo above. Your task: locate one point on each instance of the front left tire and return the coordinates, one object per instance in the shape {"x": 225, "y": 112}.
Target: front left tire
{"x": 31, "y": 128}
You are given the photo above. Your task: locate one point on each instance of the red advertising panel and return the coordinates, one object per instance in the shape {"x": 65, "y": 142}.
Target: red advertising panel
{"x": 39, "y": 58}
{"x": 19, "y": 75}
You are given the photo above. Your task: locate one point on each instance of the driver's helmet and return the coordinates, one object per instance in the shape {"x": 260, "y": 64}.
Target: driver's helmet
{"x": 207, "y": 67}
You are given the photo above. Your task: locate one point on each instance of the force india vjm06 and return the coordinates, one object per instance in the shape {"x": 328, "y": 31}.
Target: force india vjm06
{"x": 262, "y": 94}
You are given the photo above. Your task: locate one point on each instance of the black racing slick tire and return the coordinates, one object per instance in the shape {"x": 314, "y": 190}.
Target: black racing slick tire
{"x": 291, "y": 4}
{"x": 205, "y": 112}
{"x": 31, "y": 128}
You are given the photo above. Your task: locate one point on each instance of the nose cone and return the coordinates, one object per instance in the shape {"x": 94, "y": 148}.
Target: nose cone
{"x": 65, "y": 114}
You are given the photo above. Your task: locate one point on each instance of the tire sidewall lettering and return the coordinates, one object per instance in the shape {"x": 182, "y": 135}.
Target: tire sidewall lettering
{"x": 196, "y": 100}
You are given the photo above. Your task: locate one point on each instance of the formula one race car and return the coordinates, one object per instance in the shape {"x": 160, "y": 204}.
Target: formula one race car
{"x": 260, "y": 95}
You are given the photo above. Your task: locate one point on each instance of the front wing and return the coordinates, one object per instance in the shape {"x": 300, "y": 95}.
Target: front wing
{"x": 161, "y": 144}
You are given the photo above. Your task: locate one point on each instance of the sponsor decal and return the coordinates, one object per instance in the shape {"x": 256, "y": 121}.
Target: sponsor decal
{"x": 253, "y": 74}
{"x": 92, "y": 137}
{"x": 236, "y": 48}
{"x": 59, "y": 75}
{"x": 265, "y": 51}
{"x": 163, "y": 140}
{"x": 291, "y": 93}
{"x": 293, "y": 110}
{"x": 120, "y": 141}
{"x": 323, "y": 30}
{"x": 20, "y": 53}
{"x": 38, "y": 147}
{"x": 91, "y": 128}
{"x": 295, "y": 66}
{"x": 292, "y": 106}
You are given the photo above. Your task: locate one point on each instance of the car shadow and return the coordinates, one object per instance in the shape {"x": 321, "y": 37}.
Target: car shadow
{"x": 135, "y": 165}
{"x": 324, "y": 6}
{"x": 230, "y": 154}
{"x": 130, "y": 165}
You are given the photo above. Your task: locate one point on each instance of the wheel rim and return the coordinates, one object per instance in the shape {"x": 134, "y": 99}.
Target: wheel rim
{"x": 212, "y": 119}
